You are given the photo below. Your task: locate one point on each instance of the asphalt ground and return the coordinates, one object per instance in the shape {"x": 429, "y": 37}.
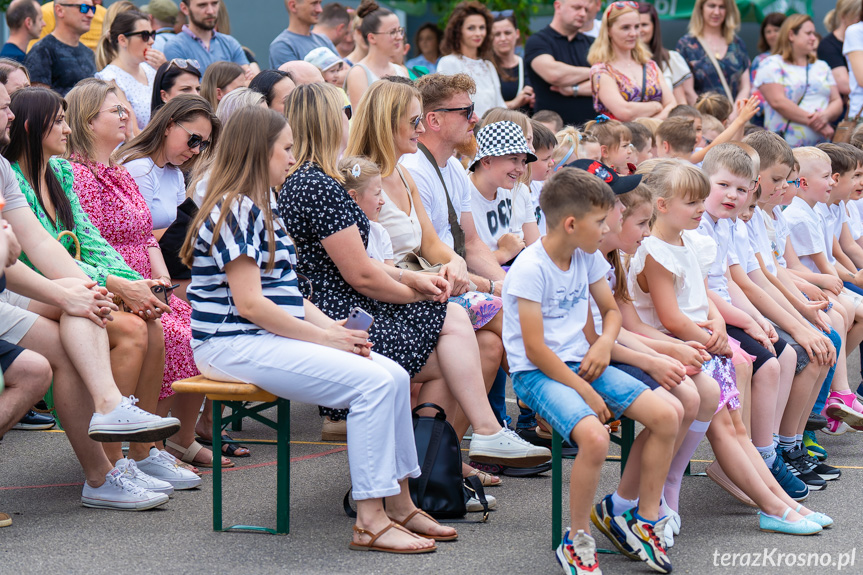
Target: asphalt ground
{"x": 40, "y": 487}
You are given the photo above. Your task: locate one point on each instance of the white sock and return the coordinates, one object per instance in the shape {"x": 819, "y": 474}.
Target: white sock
{"x": 621, "y": 505}
{"x": 768, "y": 453}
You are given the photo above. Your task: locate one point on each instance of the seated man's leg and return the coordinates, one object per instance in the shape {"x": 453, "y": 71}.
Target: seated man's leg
{"x": 27, "y": 377}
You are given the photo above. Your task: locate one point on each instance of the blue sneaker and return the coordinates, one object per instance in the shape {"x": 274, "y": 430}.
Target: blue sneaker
{"x": 602, "y": 516}
{"x": 578, "y": 555}
{"x": 800, "y": 468}
{"x": 777, "y": 525}
{"x": 640, "y": 535}
{"x": 34, "y": 420}
{"x": 796, "y": 489}
{"x": 811, "y": 443}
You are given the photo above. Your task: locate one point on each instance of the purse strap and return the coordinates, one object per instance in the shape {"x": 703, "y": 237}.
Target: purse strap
{"x": 717, "y": 67}
{"x": 455, "y": 227}
{"x": 799, "y": 100}
{"x": 643, "y": 81}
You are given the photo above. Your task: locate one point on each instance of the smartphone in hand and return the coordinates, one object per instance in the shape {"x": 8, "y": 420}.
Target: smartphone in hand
{"x": 359, "y": 319}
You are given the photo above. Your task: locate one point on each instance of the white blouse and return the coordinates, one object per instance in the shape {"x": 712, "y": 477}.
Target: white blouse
{"x": 488, "y": 93}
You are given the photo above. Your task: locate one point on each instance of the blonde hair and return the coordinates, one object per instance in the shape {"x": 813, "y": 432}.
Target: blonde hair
{"x": 783, "y": 43}
{"x": 85, "y": 101}
{"x": 609, "y": 133}
{"x": 843, "y": 9}
{"x": 358, "y": 172}
{"x": 217, "y": 77}
{"x": 650, "y": 123}
{"x": 672, "y": 178}
{"x": 568, "y": 140}
{"x": 714, "y": 104}
{"x": 601, "y": 49}
{"x": 729, "y": 26}
{"x": 241, "y": 170}
{"x": 730, "y": 157}
{"x": 642, "y": 195}
{"x": 377, "y": 117}
{"x": 711, "y": 123}
{"x": 315, "y": 114}
{"x": 806, "y": 155}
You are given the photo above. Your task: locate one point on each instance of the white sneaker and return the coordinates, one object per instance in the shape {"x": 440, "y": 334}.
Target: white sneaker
{"x": 118, "y": 492}
{"x": 473, "y": 504}
{"x": 132, "y": 473}
{"x": 162, "y": 465}
{"x": 129, "y": 423}
{"x": 506, "y": 448}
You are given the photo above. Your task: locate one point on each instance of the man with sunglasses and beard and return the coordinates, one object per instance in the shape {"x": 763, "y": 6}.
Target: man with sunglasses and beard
{"x": 199, "y": 39}
{"x": 59, "y": 60}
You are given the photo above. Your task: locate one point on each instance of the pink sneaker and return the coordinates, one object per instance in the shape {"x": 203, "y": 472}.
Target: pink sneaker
{"x": 845, "y": 407}
{"x": 835, "y": 427}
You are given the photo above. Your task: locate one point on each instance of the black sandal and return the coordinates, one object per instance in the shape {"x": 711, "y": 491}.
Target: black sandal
{"x": 228, "y": 449}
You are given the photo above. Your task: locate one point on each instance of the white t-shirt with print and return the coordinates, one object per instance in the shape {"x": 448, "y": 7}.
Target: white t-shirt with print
{"x": 563, "y": 296}
{"x": 506, "y": 213}
{"x": 432, "y": 192}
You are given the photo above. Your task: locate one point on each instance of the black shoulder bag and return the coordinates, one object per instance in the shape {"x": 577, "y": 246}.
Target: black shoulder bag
{"x": 455, "y": 227}
{"x": 805, "y": 88}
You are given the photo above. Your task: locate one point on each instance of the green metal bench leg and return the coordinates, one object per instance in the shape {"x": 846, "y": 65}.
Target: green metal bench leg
{"x": 556, "y": 490}
{"x": 627, "y": 436}
{"x": 217, "y": 466}
{"x": 236, "y": 422}
{"x": 283, "y": 469}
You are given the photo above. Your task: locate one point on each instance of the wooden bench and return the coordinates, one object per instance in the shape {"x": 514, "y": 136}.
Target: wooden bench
{"x": 237, "y": 396}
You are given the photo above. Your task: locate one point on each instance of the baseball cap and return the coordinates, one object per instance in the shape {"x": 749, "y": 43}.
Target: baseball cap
{"x": 322, "y": 58}
{"x": 162, "y": 10}
{"x": 619, "y": 184}
{"x": 501, "y": 139}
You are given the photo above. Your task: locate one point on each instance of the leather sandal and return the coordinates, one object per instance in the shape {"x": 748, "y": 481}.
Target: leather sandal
{"x": 406, "y": 520}
{"x": 370, "y": 546}
{"x": 487, "y": 479}
{"x": 187, "y": 454}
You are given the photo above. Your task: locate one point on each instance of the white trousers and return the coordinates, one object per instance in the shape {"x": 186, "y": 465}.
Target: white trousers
{"x": 381, "y": 449}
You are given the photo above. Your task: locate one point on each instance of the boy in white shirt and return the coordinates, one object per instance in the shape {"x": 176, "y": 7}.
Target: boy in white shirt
{"x": 544, "y": 143}
{"x": 565, "y": 377}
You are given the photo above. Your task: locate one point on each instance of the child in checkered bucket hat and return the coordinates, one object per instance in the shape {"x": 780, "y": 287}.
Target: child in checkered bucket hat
{"x": 501, "y": 139}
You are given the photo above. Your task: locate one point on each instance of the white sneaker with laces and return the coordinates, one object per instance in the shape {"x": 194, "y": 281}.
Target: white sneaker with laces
{"x": 132, "y": 473}
{"x": 473, "y": 504}
{"x": 507, "y": 448}
{"x": 129, "y": 423}
{"x": 118, "y": 492}
{"x": 162, "y": 465}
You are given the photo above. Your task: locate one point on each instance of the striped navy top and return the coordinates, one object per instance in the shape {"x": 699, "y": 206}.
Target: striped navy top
{"x": 242, "y": 234}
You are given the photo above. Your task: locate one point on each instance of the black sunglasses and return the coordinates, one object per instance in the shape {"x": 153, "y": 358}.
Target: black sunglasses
{"x": 144, "y": 34}
{"x": 468, "y": 110}
{"x": 82, "y": 8}
{"x": 349, "y": 112}
{"x": 502, "y": 14}
{"x": 195, "y": 140}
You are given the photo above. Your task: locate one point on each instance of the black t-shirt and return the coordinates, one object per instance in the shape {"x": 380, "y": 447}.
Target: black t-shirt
{"x": 574, "y": 110}
{"x": 509, "y": 88}
{"x": 830, "y": 50}
{"x": 55, "y": 64}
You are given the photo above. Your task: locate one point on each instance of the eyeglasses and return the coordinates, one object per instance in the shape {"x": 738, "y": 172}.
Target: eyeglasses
{"x": 118, "y": 109}
{"x": 144, "y": 34}
{"x": 468, "y": 110}
{"x": 185, "y": 64}
{"x": 195, "y": 140}
{"x": 795, "y": 183}
{"x": 395, "y": 32}
{"x": 502, "y": 14}
{"x": 349, "y": 112}
{"x": 415, "y": 122}
{"x": 82, "y": 8}
{"x": 754, "y": 184}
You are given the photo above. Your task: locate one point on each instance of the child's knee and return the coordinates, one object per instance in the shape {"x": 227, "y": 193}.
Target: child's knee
{"x": 592, "y": 439}
{"x": 768, "y": 373}
{"x": 708, "y": 392}
{"x": 687, "y": 395}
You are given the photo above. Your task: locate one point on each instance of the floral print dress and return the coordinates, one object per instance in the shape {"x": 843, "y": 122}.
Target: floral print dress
{"x": 628, "y": 88}
{"x": 733, "y": 65}
{"x": 110, "y": 196}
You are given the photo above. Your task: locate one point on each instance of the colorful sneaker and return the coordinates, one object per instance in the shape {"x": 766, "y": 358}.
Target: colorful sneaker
{"x": 602, "y": 516}
{"x": 640, "y": 535}
{"x": 507, "y": 448}
{"x": 815, "y": 450}
{"x": 800, "y": 468}
{"x": 578, "y": 556}
{"x": 132, "y": 473}
{"x": 129, "y": 423}
{"x": 843, "y": 405}
{"x": 822, "y": 470}
{"x": 162, "y": 465}
{"x": 120, "y": 493}
{"x": 835, "y": 427}
{"x": 795, "y": 488}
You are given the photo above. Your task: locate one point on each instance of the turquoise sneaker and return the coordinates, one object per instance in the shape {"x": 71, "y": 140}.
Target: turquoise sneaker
{"x": 602, "y": 515}
{"x": 815, "y": 450}
{"x": 776, "y": 525}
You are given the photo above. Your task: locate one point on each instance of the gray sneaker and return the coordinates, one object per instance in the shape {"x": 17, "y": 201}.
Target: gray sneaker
{"x": 120, "y": 493}
{"x": 506, "y": 448}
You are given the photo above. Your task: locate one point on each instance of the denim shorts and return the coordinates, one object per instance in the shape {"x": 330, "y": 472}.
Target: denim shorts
{"x": 563, "y": 407}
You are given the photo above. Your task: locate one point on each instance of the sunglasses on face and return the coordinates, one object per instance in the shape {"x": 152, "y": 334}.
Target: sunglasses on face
{"x": 195, "y": 140}
{"x": 415, "y": 122}
{"x": 468, "y": 110}
{"x": 349, "y": 112}
{"x": 795, "y": 183}
{"x": 82, "y": 8}
{"x": 144, "y": 34}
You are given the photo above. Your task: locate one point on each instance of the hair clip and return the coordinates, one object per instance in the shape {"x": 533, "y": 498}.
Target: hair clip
{"x": 601, "y": 119}
{"x": 356, "y": 171}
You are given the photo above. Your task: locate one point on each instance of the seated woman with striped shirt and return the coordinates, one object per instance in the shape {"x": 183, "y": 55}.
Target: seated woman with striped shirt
{"x": 251, "y": 324}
